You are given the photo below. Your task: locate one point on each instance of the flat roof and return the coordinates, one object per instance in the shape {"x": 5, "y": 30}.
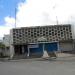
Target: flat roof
{"x": 43, "y": 26}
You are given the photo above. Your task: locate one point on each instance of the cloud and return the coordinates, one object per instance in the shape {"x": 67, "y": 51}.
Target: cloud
{"x": 4, "y": 30}
{"x": 9, "y": 23}
{"x": 46, "y": 12}
{"x": 42, "y": 12}
{"x": 33, "y": 12}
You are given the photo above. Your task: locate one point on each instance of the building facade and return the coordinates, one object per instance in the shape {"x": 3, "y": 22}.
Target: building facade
{"x": 32, "y": 34}
{"x": 6, "y": 42}
{"x": 20, "y": 37}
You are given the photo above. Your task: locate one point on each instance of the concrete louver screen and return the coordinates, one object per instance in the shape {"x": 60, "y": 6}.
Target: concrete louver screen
{"x": 33, "y": 34}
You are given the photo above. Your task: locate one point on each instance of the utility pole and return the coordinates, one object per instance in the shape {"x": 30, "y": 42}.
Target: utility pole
{"x": 56, "y": 20}
{"x": 15, "y": 16}
{"x": 56, "y": 15}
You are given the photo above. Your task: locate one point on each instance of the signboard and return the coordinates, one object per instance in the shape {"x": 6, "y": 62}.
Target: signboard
{"x": 33, "y": 46}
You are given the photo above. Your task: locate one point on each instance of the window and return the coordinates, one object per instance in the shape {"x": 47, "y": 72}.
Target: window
{"x": 31, "y": 35}
{"x": 52, "y": 33}
{"x": 34, "y": 30}
{"x": 43, "y": 34}
{"x": 46, "y": 29}
{"x": 61, "y": 32}
{"x": 58, "y": 34}
{"x": 25, "y": 32}
{"x": 37, "y": 34}
{"x": 71, "y": 36}
{"x": 63, "y": 28}
{"x": 62, "y": 35}
{"x": 46, "y": 32}
{"x": 55, "y": 33}
{"x": 52, "y": 29}
{"x": 43, "y": 28}
{"x": 49, "y": 33}
{"x": 43, "y": 31}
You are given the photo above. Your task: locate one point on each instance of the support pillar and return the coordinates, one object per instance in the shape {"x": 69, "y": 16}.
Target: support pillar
{"x": 11, "y": 51}
{"x": 23, "y": 50}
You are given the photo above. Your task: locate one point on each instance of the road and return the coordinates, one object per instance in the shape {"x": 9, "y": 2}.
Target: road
{"x": 59, "y": 66}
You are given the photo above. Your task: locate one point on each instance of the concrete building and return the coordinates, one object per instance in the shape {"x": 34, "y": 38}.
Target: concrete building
{"x": 1, "y": 50}
{"x": 20, "y": 37}
{"x": 1, "y": 41}
{"x": 6, "y": 42}
{"x": 31, "y": 34}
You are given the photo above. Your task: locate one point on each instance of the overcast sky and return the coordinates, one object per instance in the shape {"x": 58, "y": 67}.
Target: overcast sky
{"x": 35, "y": 13}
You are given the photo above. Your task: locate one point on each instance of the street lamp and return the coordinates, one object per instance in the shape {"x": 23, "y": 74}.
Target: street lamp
{"x": 56, "y": 15}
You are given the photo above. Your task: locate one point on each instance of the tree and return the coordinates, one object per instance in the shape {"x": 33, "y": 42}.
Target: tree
{"x": 2, "y": 46}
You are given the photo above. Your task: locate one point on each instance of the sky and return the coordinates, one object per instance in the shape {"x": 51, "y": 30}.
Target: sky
{"x": 35, "y": 13}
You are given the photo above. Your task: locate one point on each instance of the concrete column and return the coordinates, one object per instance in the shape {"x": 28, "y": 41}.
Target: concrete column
{"x": 22, "y": 49}
{"x": 59, "y": 50}
{"x": 28, "y": 52}
{"x": 11, "y": 51}
{"x": 73, "y": 44}
{"x": 43, "y": 47}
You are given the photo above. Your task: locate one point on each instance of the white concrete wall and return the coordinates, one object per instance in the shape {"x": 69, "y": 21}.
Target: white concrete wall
{"x": 11, "y": 51}
{"x": 73, "y": 31}
{"x": 6, "y": 40}
{"x": 11, "y": 37}
{"x": 6, "y": 53}
{"x": 11, "y": 44}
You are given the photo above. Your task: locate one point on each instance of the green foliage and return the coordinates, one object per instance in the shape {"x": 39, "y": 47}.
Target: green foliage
{"x": 2, "y": 46}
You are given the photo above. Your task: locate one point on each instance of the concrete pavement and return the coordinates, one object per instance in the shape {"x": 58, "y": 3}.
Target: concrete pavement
{"x": 59, "y": 66}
